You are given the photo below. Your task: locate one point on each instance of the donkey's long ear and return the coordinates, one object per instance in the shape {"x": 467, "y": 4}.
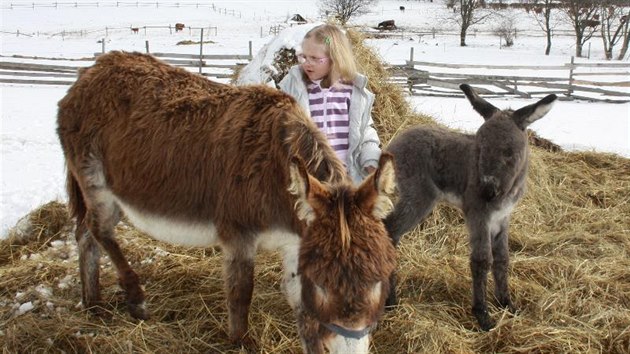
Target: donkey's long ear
{"x": 302, "y": 185}
{"x": 480, "y": 105}
{"x": 376, "y": 193}
{"x": 527, "y": 115}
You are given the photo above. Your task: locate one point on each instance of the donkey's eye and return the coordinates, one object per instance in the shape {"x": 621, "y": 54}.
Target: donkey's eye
{"x": 508, "y": 152}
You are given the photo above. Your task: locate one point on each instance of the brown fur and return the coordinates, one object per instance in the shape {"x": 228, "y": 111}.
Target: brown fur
{"x": 178, "y": 146}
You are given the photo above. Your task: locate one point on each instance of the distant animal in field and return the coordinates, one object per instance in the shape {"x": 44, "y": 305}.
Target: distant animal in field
{"x": 590, "y": 23}
{"x": 483, "y": 174}
{"x": 179, "y": 27}
{"x": 134, "y": 30}
{"x": 195, "y": 162}
{"x": 387, "y": 25}
{"x": 402, "y": 9}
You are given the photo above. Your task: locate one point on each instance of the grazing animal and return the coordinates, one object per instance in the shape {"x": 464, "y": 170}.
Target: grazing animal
{"x": 387, "y": 25}
{"x": 590, "y": 23}
{"x": 402, "y": 9}
{"x": 199, "y": 163}
{"x": 482, "y": 174}
{"x": 179, "y": 27}
{"x": 134, "y": 30}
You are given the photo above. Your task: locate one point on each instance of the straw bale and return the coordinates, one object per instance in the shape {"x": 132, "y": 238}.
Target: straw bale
{"x": 570, "y": 274}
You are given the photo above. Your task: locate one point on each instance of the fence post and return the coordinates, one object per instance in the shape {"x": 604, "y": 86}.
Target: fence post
{"x": 570, "y": 89}
{"x": 201, "y": 51}
{"x": 250, "y": 51}
{"x": 146, "y": 45}
{"x": 103, "y": 45}
{"x": 410, "y": 64}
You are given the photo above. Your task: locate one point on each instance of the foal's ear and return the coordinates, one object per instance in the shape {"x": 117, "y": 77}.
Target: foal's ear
{"x": 483, "y": 107}
{"x": 302, "y": 185}
{"x": 377, "y": 191}
{"x": 527, "y": 115}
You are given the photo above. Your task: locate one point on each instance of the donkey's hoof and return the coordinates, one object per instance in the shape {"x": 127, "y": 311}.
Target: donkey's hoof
{"x": 138, "y": 311}
{"x": 391, "y": 302}
{"x": 99, "y": 311}
{"x": 246, "y": 343}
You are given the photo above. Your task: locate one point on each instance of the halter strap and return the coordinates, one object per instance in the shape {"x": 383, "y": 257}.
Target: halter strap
{"x": 348, "y": 333}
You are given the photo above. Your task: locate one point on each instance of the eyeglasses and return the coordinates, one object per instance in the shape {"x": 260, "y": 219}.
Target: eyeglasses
{"x": 312, "y": 60}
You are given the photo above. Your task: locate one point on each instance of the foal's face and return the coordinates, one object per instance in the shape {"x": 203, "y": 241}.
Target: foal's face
{"x": 346, "y": 258}
{"x": 502, "y": 153}
{"x": 502, "y": 141}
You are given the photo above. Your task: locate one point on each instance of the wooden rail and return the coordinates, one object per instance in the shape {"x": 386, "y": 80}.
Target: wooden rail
{"x": 424, "y": 78}
{"x": 34, "y": 73}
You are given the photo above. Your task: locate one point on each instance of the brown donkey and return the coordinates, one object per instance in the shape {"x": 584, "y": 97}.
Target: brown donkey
{"x": 194, "y": 162}
{"x": 482, "y": 174}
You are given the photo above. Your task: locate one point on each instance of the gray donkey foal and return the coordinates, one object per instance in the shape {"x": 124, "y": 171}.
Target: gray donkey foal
{"x": 483, "y": 175}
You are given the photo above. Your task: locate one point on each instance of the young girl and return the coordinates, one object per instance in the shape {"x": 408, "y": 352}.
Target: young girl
{"x": 327, "y": 85}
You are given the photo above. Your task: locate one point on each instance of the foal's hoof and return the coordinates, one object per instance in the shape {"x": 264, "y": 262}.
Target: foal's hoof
{"x": 483, "y": 318}
{"x": 138, "y": 311}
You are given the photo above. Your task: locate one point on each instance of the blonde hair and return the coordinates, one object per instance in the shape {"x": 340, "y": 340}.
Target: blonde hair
{"x": 343, "y": 66}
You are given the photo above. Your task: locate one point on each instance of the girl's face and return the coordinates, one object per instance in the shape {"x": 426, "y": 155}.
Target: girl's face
{"x": 314, "y": 60}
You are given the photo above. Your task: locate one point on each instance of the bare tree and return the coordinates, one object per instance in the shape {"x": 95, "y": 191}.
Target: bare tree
{"x": 343, "y": 10}
{"x": 506, "y": 29}
{"x": 584, "y": 18}
{"x": 467, "y": 16}
{"x": 626, "y": 39}
{"x": 542, "y": 11}
{"x": 614, "y": 25}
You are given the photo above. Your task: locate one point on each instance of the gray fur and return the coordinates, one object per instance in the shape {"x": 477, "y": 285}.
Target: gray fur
{"x": 482, "y": 174}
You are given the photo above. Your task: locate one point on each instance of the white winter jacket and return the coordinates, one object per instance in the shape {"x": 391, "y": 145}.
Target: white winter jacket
{"x": 364, "y": 145}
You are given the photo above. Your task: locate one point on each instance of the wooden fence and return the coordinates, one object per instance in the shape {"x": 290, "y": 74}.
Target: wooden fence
{"x": 571, "y": 80}
{"x": 97, "y": 4}
{"x": 31, "y": 70}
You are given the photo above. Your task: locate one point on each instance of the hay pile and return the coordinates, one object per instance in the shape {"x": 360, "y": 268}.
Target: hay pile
{"x": 570, "y": 274}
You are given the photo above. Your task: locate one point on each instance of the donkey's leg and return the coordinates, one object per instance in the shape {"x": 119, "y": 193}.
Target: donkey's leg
{"x": 102, "y": 215}
{"x": 238, "y": 274}
{"x": 292, "y": 286}
{"x": 89, "y": 266}
{"x": 410, "y": 210}
{"x": 308, "y": 327}
{"x": 101, "y": 223}
{"x": 500, "y": 264}
{"x": 480, "y": 262}
{"x": 309, "y": 330}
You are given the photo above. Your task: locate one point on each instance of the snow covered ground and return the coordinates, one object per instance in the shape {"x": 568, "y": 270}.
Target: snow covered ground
{"x": 32, "y": 167}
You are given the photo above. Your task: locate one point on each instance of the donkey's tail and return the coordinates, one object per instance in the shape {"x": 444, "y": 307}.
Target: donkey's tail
{"x": 76, "y": 204}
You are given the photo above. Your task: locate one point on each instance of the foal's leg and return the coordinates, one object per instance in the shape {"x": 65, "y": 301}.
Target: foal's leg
{"x": 410, "y": 210}
{"x": 500, "y": 264}
{"x": 480, "y": 261}
{"x": 238, "y": 274}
